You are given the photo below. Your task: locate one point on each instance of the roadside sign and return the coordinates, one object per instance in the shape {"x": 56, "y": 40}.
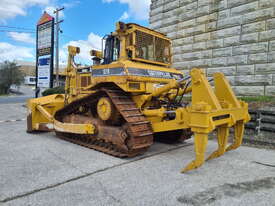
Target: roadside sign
{"x": 43, "y": 71}
{"x": 44, "y": 52}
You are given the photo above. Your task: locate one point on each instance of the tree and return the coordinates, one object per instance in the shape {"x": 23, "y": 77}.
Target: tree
{"x": 9, "y": 75}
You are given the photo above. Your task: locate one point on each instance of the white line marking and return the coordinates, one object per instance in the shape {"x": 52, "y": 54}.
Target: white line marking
{"x": 12, "y": 120}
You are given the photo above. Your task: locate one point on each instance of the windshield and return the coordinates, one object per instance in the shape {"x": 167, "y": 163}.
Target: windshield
{"x": 152, "y": 48}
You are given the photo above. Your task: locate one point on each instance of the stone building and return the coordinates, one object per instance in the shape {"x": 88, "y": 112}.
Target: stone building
{"x": 236, "y": 37}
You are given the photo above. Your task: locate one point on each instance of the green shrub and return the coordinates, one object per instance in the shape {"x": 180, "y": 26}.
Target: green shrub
{"x": 258, "y": 99}
{"x": 55, "y": 90}
{"x": 10, "y": 74}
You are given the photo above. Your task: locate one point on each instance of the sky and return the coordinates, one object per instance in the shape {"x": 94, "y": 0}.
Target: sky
{"x": 85, "y": 23}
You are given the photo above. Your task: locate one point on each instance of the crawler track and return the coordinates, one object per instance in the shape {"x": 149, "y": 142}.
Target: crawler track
{"x": 134, "y": 136}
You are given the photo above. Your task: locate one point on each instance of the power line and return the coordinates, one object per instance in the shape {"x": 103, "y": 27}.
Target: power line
{"x": 17, "y": 31}
{"x": 19, "y": 28}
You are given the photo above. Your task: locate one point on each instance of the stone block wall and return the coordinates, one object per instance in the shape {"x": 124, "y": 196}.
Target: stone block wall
{"x": 236, "y": 37}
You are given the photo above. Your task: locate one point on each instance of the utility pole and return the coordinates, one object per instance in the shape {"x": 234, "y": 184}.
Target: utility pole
{"x": 57, "y": 30}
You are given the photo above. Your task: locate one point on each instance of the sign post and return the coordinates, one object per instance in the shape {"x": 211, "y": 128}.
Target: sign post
{"x": 44, "y": 53}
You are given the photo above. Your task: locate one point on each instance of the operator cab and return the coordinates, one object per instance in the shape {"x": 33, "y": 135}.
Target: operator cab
{"x": 135, "y": 43}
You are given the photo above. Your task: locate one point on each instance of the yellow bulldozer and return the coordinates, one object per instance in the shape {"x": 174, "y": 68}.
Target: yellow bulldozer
{"x": 131, "y": 94}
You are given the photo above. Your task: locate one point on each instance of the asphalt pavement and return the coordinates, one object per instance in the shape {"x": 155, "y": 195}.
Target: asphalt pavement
{"x": 14, "y": 99}
{"x": 40, "y": 169}
{"x": 27, "y": 93}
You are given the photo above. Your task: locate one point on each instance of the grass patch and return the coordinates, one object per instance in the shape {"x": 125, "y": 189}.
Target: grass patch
{"x": 258, "y": 99}
{"x": 4, "y": 95}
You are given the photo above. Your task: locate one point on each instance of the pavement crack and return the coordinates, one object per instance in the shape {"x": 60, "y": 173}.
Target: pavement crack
{"x": 264, "y": 164}
{"x": 65, "y": 161}
{"x": 227, "y": 190}
{"x": 107, "y": 193}
{"x": 90, "y": 174}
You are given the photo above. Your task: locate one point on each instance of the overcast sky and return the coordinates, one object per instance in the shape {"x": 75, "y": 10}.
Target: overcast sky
{"x": 85, "y": 22}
